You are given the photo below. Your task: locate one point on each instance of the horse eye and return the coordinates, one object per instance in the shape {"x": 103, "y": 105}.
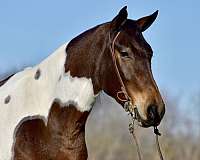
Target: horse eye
{"x": 124, "y": 54}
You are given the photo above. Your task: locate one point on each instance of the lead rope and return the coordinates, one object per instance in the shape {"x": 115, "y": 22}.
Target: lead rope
{"x": 156, "y": 131}
{"x": 128, "y": 107}
{"x": 132, "y": 131}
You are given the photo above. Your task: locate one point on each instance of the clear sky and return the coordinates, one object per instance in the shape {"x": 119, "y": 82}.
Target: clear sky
{"x": 31, "y": 30}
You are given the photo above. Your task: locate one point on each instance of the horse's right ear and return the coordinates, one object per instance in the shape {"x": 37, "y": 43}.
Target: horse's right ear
{"x": 119, "y": 20}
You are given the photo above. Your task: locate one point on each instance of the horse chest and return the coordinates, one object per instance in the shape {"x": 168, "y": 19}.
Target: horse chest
{"x": 31, "y": 93}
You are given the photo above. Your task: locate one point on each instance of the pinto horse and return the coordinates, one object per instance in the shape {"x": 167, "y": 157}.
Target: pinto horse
{"x": 44, "y": 109}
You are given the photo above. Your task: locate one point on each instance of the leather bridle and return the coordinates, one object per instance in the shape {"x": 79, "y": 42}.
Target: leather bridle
{"x": 127, "y": 104}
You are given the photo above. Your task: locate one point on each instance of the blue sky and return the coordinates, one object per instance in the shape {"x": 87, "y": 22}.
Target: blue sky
{"x": 31, "y": 30}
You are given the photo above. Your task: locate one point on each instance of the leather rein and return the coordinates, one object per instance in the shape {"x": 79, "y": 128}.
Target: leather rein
{"x": 128, "y": 106}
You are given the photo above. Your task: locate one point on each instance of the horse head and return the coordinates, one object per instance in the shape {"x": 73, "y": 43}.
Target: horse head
{"x": 133, "y": 60}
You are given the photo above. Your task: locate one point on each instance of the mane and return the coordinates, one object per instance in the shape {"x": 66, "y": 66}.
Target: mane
{"x": 84, "y": 34}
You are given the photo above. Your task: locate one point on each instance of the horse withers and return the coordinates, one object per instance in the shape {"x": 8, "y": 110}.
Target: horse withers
{"x": 44, "y": 109}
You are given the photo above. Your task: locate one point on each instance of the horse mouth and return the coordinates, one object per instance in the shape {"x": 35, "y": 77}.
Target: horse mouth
{"x": 145, "y": 123}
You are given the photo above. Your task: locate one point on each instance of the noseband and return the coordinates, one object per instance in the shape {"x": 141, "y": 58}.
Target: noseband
{"x": 127, "y": 104}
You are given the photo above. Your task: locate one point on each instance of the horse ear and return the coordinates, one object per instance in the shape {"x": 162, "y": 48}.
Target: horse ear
{"x": 119, "y": 20}
{"x": 146, "y": 22}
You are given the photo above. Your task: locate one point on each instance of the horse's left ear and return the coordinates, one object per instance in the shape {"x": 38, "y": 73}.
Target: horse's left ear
{"x": 119, "y": 20}
{"x": 146, "y": 22}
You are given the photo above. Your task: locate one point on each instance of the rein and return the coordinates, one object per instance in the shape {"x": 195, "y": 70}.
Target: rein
{"x": 128, "y": 106}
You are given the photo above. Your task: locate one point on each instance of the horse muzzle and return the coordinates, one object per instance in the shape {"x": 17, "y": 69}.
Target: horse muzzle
{"x": 153, "y": 117}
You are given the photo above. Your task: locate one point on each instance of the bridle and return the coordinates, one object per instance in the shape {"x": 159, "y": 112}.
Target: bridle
{"x": 128, "y": 106}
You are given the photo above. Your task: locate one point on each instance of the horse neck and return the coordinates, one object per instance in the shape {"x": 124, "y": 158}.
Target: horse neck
{"x": 88, "y": 55}
{"x": 85, "y": 55}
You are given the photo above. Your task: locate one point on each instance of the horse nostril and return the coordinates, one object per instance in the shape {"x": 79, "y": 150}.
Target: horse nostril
{"x": 152, "y": 114}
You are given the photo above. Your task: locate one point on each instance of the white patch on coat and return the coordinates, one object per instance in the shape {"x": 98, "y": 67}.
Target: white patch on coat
{"x": 30, "y": 97}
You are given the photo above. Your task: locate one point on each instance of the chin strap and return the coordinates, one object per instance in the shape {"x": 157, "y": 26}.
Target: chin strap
{"x": 128, "y": 106}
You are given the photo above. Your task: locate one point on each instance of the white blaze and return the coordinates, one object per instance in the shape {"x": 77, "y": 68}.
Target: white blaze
{"x": 31, "y": 97}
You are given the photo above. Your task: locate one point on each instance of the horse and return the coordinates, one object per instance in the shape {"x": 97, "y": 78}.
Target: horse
{"x": 44, "y": 109}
